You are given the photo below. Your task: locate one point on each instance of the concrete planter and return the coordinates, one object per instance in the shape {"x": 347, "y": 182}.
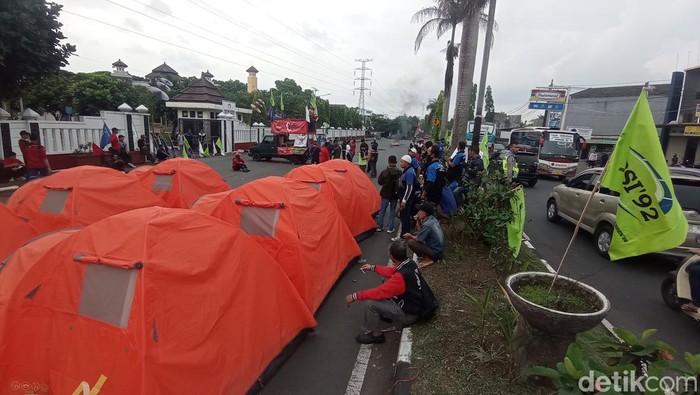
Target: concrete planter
{"x": 544, "y": 334}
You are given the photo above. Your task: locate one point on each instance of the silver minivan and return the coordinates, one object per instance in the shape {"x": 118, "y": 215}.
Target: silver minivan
{"x": 568, "y": 199}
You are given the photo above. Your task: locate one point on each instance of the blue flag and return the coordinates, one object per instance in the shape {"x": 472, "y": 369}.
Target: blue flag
{"x": 106, "y": 136}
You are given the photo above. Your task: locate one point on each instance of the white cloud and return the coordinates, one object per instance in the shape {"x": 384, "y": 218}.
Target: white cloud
{"x": 316, "y": 43}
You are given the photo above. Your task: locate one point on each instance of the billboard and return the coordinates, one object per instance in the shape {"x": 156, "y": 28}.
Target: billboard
{"x": 582, "y": 131}
{"x": 547, "y": 99}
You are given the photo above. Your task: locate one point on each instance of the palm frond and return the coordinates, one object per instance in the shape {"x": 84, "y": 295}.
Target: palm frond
{"x": 427, "y": 13}
{"x": 428, "y": 27}
{"x": 444, "y": 26}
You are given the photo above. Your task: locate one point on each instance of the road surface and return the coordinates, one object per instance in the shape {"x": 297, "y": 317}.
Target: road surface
{"x": 632, "y": 285}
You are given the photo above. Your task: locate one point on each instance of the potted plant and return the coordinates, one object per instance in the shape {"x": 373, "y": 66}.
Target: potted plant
{"x": 551, "y": 313}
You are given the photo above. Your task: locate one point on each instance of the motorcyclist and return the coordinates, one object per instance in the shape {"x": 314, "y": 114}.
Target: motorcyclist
{"x": 693, "y": 270}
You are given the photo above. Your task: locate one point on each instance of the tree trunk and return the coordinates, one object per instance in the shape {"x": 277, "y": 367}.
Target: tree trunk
{"x": 449, "y": 73}
{"x": 465, "y": 81}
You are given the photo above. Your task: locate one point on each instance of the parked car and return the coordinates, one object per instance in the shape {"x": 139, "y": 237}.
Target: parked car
{"x": 527, "y": 165}
{"x": 568, "y": 199}
{"x": 687, "y": 171}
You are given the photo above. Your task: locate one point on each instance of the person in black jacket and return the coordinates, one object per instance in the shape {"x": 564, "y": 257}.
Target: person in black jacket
{"x": 389, "y": 180}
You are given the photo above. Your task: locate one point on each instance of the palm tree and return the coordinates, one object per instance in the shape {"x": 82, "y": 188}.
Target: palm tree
{"x": 467, "y": 61}
{"x": 443, "y": 16}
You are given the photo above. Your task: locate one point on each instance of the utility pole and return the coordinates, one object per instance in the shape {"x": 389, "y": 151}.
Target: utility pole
{"x": 363, "y": 77}
{"x": 476, "y": 135}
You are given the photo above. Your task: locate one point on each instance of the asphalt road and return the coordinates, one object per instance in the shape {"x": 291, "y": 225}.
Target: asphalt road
{"x": 324, "y": 362}
{"x": 632, "y": 285}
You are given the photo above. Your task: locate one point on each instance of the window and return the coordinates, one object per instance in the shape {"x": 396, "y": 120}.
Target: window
{"x": 258, "y": 221}
{"x": 184, "y": 114}
{"x": 212, "y": 115}
{"x": 54, "y": 201}
{"x": 200, "y": 114}
{"x": 581, "y": 182}
{"x": 108, "y": 293}
{"x": 687, "y": 192}
{"x": 268, "y": 139}
{"x": 697, "y": 95}
{"x": 192, "y": 114}
{"x": 163, "y": 182}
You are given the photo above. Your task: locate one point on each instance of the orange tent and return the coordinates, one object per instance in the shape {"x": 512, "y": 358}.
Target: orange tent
{"x": 369, "y": 195}
{"x": 140, "y": 170}
{"x": 303, "y": 231}
{"x": 155, "y": 300}
{"x": 181, "y": 181}
{"x": 339, "y": 188}
{"x": 14, "y": 231}
{"x": 79, "y": 196}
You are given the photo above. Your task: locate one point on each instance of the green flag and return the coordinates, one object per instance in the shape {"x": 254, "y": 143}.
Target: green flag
{"x": 448, "y": 136}
{"x": 312, "y": 101}
{"x": 272, "y": 99}
{"x": 484, "y": 149}
{"x": 649, "y": 218}
{"x": 516, "y": 225}
{"x": 220, "y": 144}
{"x": 184, "y": 152}
{"x": 282, "y": 101}
{"x": 206, "y": 153}
{"x": 187, "y": 143}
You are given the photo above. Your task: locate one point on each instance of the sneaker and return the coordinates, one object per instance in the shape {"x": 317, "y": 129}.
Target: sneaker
{"x": 396, "y": 238}
{"x": 379, "y": 230}
{"x": 390, "y": 230}
{"x": 367, "y": 338}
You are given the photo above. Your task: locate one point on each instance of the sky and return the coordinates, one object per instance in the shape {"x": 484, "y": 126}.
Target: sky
{"x": 575, "y": 43}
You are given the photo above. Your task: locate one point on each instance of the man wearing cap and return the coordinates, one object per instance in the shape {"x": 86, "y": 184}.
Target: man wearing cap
{"x": 407, "y": 195}
{"x": 24, "y": 142}
{"x": 398, "y": 298}
{"x": 429, "y": 242}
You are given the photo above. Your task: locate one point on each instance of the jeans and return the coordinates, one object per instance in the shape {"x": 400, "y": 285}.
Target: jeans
{"x": 391, "y": 205}
{"x": 694, "y": 279}
{"x": 36, "y": 173}
{"x": 386, "y": 308}
{"x": 421, "y": 249}
{"x": 405, "y": 216}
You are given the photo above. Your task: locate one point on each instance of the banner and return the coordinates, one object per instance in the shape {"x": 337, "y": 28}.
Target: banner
{"x": 517, "y": 224}
{"x": 289, "y": 126}
{"x": 649, "y": 218}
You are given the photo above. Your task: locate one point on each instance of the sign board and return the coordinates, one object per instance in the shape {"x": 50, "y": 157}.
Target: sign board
{"x": 691, "y": 131}
{"x": 546, "y": 106}
{"x": 697, "y": 111}
{"x": 582, "y": 131}
{"x": 228, "y": 107}
{"x": 561, "y": 137}
{"x": 555, "y": 119}
{"x": 69, "y": 110}
{"x": 548, "y": 96}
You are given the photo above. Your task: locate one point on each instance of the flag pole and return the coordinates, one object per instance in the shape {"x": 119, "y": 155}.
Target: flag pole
{"x": 583, "y": 212}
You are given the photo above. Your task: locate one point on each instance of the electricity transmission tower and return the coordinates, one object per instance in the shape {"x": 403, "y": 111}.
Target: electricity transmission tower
{"x": 363, "y": 77}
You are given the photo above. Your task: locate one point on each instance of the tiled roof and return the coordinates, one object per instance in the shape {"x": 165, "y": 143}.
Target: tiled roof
{"x": 200, "y": 91}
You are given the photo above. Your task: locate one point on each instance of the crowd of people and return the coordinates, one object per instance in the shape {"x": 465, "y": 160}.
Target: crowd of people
{"x": 366, "y": 156}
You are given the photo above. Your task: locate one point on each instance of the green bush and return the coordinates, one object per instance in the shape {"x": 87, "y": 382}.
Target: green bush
{"x": 484, "y": 216}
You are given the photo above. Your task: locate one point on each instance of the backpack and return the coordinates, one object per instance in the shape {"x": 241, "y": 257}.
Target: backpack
{"x": 429, "y": 303}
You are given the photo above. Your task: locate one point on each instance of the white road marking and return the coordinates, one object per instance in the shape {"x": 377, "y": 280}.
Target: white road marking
{"x": 357, "y": 377}
{"x": 405, "y": 346}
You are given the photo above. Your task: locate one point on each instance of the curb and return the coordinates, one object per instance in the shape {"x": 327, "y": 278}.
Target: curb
{"x": 526, "y": 240}
{"x": 402, "y": 382}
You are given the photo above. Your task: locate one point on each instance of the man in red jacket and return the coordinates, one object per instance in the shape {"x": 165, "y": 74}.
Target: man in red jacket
{"x": 325, "y": 155}
{"x": 397, "y": 299}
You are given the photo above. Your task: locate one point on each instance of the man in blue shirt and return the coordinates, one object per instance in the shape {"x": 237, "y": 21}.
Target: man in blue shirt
{"x": 429, "y": 242}
{"x": 456, "y": 163}
{"x": 434, "y": 179}
{"x": 408, "y": 194}
{"x": 414, "y": 161}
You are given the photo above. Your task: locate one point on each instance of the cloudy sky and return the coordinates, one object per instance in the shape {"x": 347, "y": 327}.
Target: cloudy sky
{"x": 576, "y": 43}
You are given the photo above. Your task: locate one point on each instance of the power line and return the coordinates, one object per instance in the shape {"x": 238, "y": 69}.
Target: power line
{"x": 217, "y": 42}
{"x": 172, "y": 44}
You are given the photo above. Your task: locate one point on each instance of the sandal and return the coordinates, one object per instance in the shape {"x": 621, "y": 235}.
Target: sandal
{"x": 691, "y": 308}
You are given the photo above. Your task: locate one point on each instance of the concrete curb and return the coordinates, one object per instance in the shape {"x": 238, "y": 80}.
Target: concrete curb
{"x": 402, "y": 383}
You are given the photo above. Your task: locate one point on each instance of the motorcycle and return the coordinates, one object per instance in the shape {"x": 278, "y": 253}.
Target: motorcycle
{"x": 675, "y": 289}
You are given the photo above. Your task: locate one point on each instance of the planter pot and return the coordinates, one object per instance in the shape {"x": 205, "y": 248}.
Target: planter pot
{"x": 544, "y": 334}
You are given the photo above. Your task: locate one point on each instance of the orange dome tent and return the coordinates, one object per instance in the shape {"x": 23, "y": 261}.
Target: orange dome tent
{"x": 303, "y": 231}
{"x": 79, "y": 196}
{"x": 140, "y": 170}
{"x": 340, "y": 189}
{"x": 172, "y": 302}
{"x": 181, "y": 181}
{"x": 14, "y": 231}
{"x": 369, "y": 195}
